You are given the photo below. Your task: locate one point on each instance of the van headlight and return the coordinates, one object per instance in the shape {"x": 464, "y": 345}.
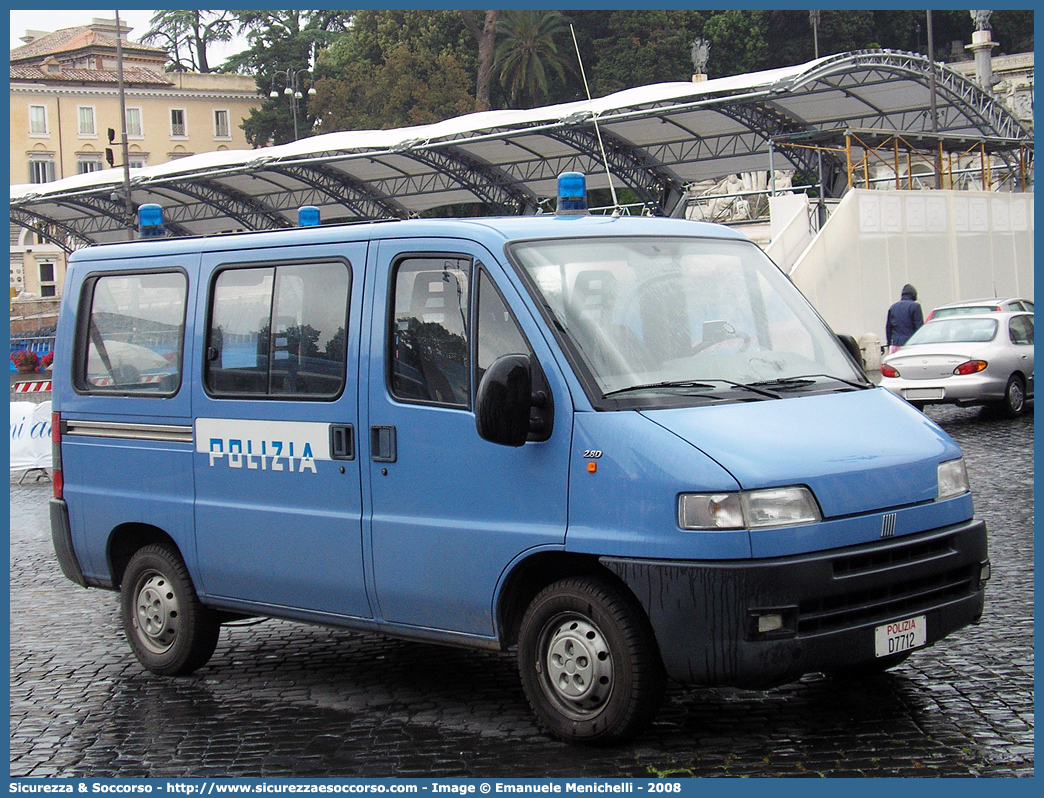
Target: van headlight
{"x": 755, "y": 509}
{"x": 953, "y": 479}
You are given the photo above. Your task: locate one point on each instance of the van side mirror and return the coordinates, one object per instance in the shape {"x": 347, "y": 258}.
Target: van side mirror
{"x": 504, "y": 399}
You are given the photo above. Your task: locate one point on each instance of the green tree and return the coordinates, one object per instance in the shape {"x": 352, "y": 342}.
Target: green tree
{"x": 395, "y": 68}
{"x": 281, "y": 41}
{"x": 485, "y": 39}
{"x": 738, "y": 41}
{"x": 374, "y": 33}
{"x": 186, "y": 35}
{"x": 410, "y": 87}
{"x": 527, "y": 56}
{"x": 634, "y": 48}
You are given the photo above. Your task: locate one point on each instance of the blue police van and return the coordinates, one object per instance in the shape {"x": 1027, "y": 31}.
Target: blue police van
{"x": 627, "y": 446}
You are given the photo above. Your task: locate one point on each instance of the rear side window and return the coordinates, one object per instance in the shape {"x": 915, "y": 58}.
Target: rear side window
{"x": 1020, "y": 330}
{"x": 279, "y": 331}
{"x": 135, "y": 334}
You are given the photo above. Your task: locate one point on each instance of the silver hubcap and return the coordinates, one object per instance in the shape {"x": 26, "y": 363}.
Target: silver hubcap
{"x": 156, "y": 612}
{"x": 1015, "y": 398}
{"x": 579, "y": 665}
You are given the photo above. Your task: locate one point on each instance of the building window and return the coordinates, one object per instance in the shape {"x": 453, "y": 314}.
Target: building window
{"x": 41, "y": 169}
{"x": 221, "y": 129}
{"x": 177, "y": 123}
{"x": 47, "y": 284}
{"x": 88, "y": 163}
{"x": 134, "y": 123}
{"x": 37, "y": 120}
{"x": 85, "y": 114}
{"x": 136, "y": 161}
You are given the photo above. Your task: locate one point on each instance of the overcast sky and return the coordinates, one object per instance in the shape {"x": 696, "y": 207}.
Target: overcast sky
{"x": 21, "y": 21}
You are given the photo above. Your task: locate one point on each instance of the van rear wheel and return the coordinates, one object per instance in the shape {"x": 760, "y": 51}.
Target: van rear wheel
{"x": 168, "y": 628}
{"x": 589, "y": 662}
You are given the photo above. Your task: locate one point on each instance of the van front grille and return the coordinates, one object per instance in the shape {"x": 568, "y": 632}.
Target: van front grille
{"x": 885, "y": 602}
{"x": 891, "y": 556}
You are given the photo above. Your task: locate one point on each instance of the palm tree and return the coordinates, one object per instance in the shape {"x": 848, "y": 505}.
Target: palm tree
{"x": 527, "y": 53}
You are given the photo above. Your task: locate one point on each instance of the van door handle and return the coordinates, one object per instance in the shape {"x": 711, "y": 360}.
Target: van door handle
{"x": 342, "y": 442}
{"x": 382, "y": 444}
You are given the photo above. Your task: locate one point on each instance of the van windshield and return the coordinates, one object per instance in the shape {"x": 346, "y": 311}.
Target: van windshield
{"x": 715, "y": 319}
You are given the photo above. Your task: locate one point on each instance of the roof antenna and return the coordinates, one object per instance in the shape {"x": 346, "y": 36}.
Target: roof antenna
{"x": 594, "y": 118}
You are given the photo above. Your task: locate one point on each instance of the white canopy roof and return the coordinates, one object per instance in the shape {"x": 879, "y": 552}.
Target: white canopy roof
{"x": 658, "y": 140}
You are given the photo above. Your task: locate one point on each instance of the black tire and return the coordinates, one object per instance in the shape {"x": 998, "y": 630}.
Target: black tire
{"x": 589, "y": 662}
{"x": 873, "y": 668}
{"x": 169, "y": 630}
{"x": 1014, "y": 402}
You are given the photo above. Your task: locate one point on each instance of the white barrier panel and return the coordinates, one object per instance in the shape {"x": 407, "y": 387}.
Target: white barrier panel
{"x": 30, "y": 435}
{"x": 950, "y": 245}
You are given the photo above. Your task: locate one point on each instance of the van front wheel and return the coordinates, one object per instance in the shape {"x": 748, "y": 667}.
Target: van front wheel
{"x": 589, "y": 662}
{"x": 169, "y": 630}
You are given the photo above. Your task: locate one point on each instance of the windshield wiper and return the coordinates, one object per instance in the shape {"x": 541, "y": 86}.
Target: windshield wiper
{"x": 788, "y": 383}
{"x": 695, "y": 384}
{"x": 654, "y": 385}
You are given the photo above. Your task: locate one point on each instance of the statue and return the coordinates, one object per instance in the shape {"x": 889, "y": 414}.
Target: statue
{"x": 700, "y": 55}
{"x": 982, "y": 19}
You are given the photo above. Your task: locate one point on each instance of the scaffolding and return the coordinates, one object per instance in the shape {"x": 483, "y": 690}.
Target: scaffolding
{"x": 947, "y": 160}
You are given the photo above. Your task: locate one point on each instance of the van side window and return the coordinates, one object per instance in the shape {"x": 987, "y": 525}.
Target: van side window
{"x": 135, "y": 334}
{"x": 279, "y": 331}
{"x": 497, "y": 332}
{"x": 429, "y": 331}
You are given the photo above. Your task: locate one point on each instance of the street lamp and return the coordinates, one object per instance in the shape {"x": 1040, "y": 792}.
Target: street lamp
{"x": 292, "y": 90}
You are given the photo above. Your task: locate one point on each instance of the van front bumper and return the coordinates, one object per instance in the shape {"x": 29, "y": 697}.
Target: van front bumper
{"x": 706, "y": 614}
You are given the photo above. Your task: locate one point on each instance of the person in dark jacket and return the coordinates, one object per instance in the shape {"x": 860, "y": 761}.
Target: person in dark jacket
{"x": 904, "y": 319}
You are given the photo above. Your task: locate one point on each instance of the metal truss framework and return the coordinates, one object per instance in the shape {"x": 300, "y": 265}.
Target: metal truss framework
{"x": 656, "y": 188}
{"x": 245, "y": 209}
{"x": 492, "y": 186}
{"x": 415, "y": 174}
{"x": 360, "y": 199}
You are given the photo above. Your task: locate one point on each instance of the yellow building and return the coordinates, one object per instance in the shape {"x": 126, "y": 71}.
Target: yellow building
{"x": 64, "y": 101}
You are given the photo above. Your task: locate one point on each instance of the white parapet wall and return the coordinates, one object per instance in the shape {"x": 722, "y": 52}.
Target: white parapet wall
{"x": 950, "y": 245}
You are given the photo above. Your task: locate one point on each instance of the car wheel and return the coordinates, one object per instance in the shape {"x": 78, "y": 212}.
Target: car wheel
{"x": 589, "y": 662}
{"x": 169, "y": 630}
{"x": 1014, "y": 397}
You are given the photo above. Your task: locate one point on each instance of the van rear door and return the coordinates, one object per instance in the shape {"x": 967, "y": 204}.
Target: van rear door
{"x": 278, "y": 505}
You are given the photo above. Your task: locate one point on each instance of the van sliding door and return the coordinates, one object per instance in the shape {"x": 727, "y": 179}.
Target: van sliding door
{"x": 278, "y": 505}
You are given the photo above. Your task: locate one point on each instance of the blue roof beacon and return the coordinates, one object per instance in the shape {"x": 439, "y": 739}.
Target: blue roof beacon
{"x": 572, "y": 194}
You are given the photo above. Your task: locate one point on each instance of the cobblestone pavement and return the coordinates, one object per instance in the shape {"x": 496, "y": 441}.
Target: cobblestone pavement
{"x": 288, "y": 700}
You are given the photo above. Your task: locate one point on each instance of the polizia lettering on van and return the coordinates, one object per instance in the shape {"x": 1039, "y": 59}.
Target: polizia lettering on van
{"x": 292, "y": 447}
{"x": 266, "y": 455}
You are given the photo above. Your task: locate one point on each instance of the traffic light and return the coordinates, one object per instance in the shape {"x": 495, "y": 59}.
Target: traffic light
{"x": 109, "y": 157}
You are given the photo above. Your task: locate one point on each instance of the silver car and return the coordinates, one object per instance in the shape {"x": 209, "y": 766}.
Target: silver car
{"x": 991, "y": 305}
{"x": 972, "y": 359}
